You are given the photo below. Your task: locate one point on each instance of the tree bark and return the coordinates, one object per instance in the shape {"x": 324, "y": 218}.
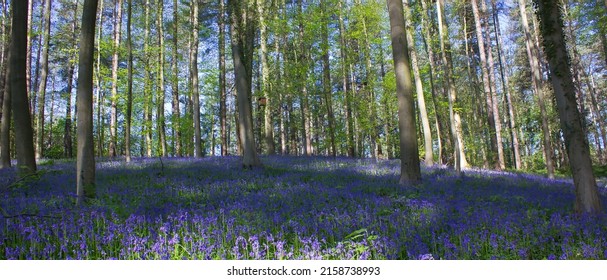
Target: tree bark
{"x": 43, "y": 78}
{"x": 269, "y": 102}
{"x": 176, "y": 115}
{"x": 85, "y": 158}
{"x": 160, "y": 98}
{"x": 129, "y": 101}
{"x": 67, "y": 131}
{"x": 147, "y": 83}
{"x": 222, "y": 80}
{"x": 5, "y": 144}
{"x": 114, "y": 98}
{"x": 24, "y": 139}
{"x": 409, "y": 153}
{"x": 587, "y": 197}
{"x": 194, "y": 78}
{"x": 239, "y": 26}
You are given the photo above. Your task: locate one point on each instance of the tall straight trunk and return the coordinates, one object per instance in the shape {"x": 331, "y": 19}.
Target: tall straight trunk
{"x": 24, "y": 139}
{"x": 346, "y": 86}
{"x": 147, "y": 83}
{"x": 43, "y": 78}
{"x": 160, "y": 98}
{"x": 456, "y": 123}
{"x": 597, "y": 116}
{"x": 515, "y": 146}
{"x": 114, "y": 98}
{"x": 194, "y": 78}
{"x": 176, "y": 115}
{"x": 421, "y": 101}
{"x": 586, "y": 192}
{"x": 67, "y": 131}
{"x": 269, "y": 103}
{"x": 5, "y": 121}
{"x": 409, "y": 153}
{"x": 129, "y": 101}
{"x": 28, "y": 59}
{"x": 303, "y": 62}
{"x": 222, "y": 81}
{"x": 536, "y": 79}
{"x": 326, "y": 80}
{"x": 100, "y": 95}
{"x": 240, "y": 28}
{"x": 486, "y": 70}
{"x": 85, "y": 158}
{"x": 35, "y": 82}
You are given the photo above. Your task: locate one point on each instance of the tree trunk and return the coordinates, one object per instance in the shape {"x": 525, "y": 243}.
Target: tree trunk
{"x": 67, "y": 131}
{"x": 222, "y": 80}
{"x": 129, "y": 101}
{"x": 587, "y": 197}
{"x": 456, "y": 123}
{"x": 421, "y": 101}
{"x": 269, "y": 103}
{"x": 194, "y": 77}
{"x": 85, "y": 158}
{"x": 114, "y": 99}
{"x": 24, "y": 139}
{"x": 409, "y": 154}
{"x": 160, "y": 98}
{"x": 5, "y": 128}
{"x": 100, "y": 95}
{"x": 536, "y": 78}
{"x": 43, "y": 78}
{"x": 147, "y": 83}
{"x": 239, "y": 26}
{"x": 346, "y": 84}
{"x": 176, "y": 115}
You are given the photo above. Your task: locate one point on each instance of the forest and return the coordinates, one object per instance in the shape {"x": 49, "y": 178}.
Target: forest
{"x": 303, "y": 129}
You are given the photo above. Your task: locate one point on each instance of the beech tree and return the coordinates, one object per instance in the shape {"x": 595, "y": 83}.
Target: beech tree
{"x": 409, "y": 153}
{"x": 587, "y": 198}
{"x": 85, "y": 156}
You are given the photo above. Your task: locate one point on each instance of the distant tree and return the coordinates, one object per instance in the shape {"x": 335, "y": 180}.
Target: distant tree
{"x": 129, "y": 102}
{"x": 176, "y": 115}
{"x": 409, "y": 153}
{"x": 160, "y": 98}
{"x": 194, "y": 79}
{"x": 85, "y": 156}
{"x": 46, "y": 35}
{"x": 115, "y": 61}
{"x": 24, "y": 139}
{"x": 222, "y": 80}
{"x": 551, "y": 26}
{"x": 5, "y": 125}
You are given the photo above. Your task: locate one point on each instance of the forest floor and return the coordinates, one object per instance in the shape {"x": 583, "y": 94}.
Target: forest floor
{"x": 293, "y": 208}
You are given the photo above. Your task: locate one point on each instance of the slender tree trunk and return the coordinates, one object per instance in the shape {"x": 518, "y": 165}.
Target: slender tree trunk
{"x": 456, "y": 123}
{"x": 421, "y": 101}
{"x": 175, "y": 84}
{"x": 222, "y": 81}
{"x": 533, "y": 55}
{"x": 24, "y": 139}
{"x": 346, "y": 84}
{"x": 67, "y": 132}
{"x": 147, "y": 83}
{"x": 43, "y": 78}
{"x": 114, "y": 99}
{"x": 194, "y": 77}
{"x": 587, "y": 196}
{"x": 505, "y": 85}
{"x": 409, "y": 153}
{"x": 85, "y": 159}
{"x": 160, "y": 98}
{"x": 5, "y": 128}
{"x": 28, "y": 61}
{"x": 129, "y": 102}
{"x": 100, "y": 95}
